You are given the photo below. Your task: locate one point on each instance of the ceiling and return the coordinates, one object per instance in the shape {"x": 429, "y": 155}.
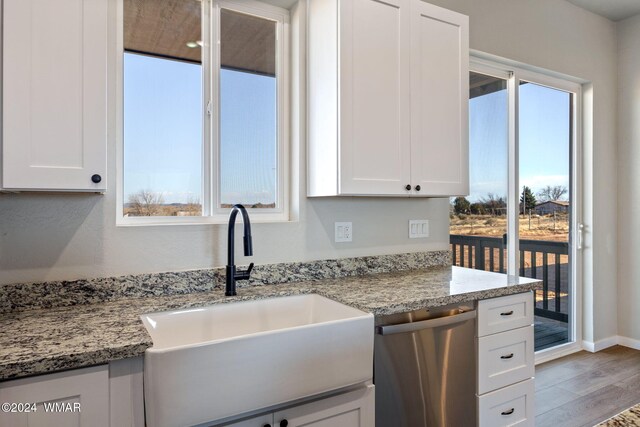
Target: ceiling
{"x": 480, "y": 84}
{"x": 615, "y": 10}
{"x": 163, "y": 28}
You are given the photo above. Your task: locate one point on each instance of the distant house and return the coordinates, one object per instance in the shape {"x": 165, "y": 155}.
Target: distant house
{"x": 547, "y": 208}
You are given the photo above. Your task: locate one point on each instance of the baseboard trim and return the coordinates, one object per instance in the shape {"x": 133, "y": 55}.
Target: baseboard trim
{"x": 629, "y": 342}
{"x": 594, "y": 347}
{"x": 550, "y": 354}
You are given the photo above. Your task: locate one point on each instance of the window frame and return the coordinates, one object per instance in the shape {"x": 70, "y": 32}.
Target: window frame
{"x": 211, "y": 213}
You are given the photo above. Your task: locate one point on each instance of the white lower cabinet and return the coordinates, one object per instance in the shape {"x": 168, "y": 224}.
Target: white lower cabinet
{"x": 99, "y": 396}
{"x": 506, "y": 364}
{"x": 505, "y": 359}
{"x": 78, "y": 398}
{"x": 508, "y": 406}
{"x": 351, "y": 409}
{"x": 112, "y": 396}
{"x": 505, "y": 313}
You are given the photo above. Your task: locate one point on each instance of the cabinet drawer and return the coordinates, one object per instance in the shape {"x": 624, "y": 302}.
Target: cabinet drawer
{"x": 509, "y": 406}
{"x": 505, "y": 313}
{"x": 505, "y": 358}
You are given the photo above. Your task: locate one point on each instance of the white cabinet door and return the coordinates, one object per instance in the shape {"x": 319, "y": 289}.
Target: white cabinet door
{"x": 54, "y": 100}
{"x": 374, "y": 97}
{"x": 439, "y": 101}
{"x": 73, "y": 398}
{"x": 352, "y": 409}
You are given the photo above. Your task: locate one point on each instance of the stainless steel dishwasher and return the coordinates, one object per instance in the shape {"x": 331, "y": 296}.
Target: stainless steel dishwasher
{"x": 425, "y": 368}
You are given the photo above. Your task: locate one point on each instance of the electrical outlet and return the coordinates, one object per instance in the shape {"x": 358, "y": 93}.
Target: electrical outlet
{"x": 344, "y": 232}
{"x": 418, "y": 228}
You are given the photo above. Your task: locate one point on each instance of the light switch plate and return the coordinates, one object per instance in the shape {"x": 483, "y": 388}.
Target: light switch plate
{"x": 418, "y": 228}
{"x": 344, "y": 232}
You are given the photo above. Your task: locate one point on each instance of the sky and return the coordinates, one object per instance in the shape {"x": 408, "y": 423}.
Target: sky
{"x": 162, "y": 128}
{"x": 544, "y": 140}
{"x": 163, "y": 135}
{"x": 163, "y": 132}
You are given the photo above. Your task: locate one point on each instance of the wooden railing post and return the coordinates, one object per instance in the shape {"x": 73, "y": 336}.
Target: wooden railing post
{"x": 479, "y": 256}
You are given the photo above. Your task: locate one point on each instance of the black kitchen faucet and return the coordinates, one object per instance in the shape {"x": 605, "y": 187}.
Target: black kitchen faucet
{"x": 232, "y": 274}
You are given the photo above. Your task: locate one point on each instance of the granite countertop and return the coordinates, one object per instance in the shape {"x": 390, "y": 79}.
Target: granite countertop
{"x": 46, "y": 340}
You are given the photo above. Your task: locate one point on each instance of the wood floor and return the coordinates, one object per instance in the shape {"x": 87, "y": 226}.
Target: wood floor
{"x": 585, "y": 388}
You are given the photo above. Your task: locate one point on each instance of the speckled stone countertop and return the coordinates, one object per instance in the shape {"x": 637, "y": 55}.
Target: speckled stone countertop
{"x": 46, "y": 340}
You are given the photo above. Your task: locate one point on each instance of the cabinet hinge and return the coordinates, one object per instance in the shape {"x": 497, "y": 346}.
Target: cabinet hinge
{"x": 209, "y": 108}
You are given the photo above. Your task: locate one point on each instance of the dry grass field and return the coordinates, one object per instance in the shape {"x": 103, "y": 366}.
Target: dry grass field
{"x": 538, "y": 228}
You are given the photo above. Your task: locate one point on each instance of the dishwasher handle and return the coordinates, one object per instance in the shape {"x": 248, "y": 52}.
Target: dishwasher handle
{"x": 425, "y": 324}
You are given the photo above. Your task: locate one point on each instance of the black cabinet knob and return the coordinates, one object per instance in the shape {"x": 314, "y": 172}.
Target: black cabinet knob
{"x": 284, "y": 423}
{"x": 96, "y": 178}
{"x": 408, "y": 187}
{"x": 417, "y": 188}
{"x": 267, "y": 425}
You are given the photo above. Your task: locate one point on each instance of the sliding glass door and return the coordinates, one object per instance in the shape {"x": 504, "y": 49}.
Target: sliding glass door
{"x": 521, "y": 214}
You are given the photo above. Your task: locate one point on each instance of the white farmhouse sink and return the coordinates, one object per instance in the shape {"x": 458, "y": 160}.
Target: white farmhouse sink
{"x": 216, "y": 362}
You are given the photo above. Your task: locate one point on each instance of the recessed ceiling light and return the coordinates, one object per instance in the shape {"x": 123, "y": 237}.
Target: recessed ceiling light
{"x": 192, "y": 45}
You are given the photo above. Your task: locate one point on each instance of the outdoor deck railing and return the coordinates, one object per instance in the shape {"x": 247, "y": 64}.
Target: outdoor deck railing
{"x": 489, "y": 253}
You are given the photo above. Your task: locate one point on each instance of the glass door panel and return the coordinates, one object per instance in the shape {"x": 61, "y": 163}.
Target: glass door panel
{"x": 545, "y": 209}
{"x": 479, "y": 221}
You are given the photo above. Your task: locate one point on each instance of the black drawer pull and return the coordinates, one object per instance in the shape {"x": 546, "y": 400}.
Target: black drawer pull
{"x": 507, "y": 313}
{"x": 509, "y": 412}
{"x": 284, "y": 423}
{"x": 267, "y": 425}
{"x": 507, "y": 356}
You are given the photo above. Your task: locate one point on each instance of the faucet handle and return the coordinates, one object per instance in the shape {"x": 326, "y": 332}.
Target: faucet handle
{"x": 248, "y": 270}
{"x": 244, "y": 275}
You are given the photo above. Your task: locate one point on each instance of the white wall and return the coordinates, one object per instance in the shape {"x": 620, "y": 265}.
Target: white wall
{"x": 629, "y": 177}
{"x": 69, "y": 236}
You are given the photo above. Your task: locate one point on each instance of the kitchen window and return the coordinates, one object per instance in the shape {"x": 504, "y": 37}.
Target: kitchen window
{"x": 204, "y": 111}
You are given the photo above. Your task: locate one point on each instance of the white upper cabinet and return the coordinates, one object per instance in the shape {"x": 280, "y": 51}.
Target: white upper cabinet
{"x": 388, "y": 93}
{"x": 54, "y": 95}
{"x": 439, "y": 100}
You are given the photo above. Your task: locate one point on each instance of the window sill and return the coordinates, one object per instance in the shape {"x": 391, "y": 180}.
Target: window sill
{"x": 149, "y": 221}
